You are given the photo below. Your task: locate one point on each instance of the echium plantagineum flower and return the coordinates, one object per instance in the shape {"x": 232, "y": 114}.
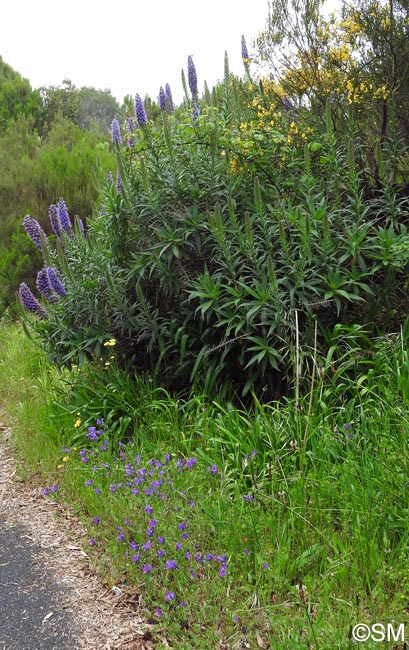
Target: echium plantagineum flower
{"x": 169, "y": 98}
{"x": 162, "y": 99}
{"x": 34, "y": 231}
{"x": 63, "y": 215}
{"x": 116, "y": 132}
{"x": 29, "y": 302}
{"x": 140, "y": 111}
{"x": 196, "y": 111}
{"x": 244, "y": 50}
{"x": 54, "y": 220}
{"x": 55, "y": 282}
{"x": 118, "y": 182}
{"x": 44, "y": 287}
{"x": 192, "y": 76}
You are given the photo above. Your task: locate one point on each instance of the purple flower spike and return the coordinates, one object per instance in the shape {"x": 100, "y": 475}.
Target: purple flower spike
{"x": 55, "y": 282}
{"x": 34, "y": 231}
{"x": 244, "y": 50}
{"x": 162, "y": 99}
{"x": 118, "y": 182}
{"x": 192, "y": 76}
{"x": 54, "y": 220}
{"x": 169, "y": 98}
{"x": 116, "y": 132}
{"x": 140, "y": 111}
{"x": 29, "y": 302}
{"x": 63, "y": 214}
{"x": 44, "y": 287}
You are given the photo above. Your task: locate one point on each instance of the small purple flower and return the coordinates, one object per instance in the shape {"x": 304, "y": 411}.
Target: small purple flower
{"x": 92, "y": 433}
{"x": 146, "y": 568}
{"x": 171, "y": 564}
{"x": 148, "y": 510}
{"x": 120, "y": 537}
{"x": 222, "y": 572}
{"x": 182, "y": 603}
{"x": 97, "y": 491}
{"x": 92, "y": 542}
{"x": 192, "y": 76}
{"x": 140, "y": 111}
{"x": 265, "y": 565}
{"x": 191, "y": 462}
{"x": 161, "y": 540}
{"x": 96, "y": 520}
{"x": 246, "y": 551}
{"x": 159, "y": 612}
{"x": 153, "y": 523}
{"x": 63, "y": 215}
{"x": 161, "y": 552}
{"x": 29, "y": 302}
{"x": 182, "y": 525}
{"x": 136, "y": 557}
{"x": 179, "y": 546}
{"x": 116, "y": 132}
{"x": 210, "y": 557}
{"x": 34, "y": 231}
{"x": 89, "y": 482}
{"x": 147, "y": 546}
{"x": 170, "y": 596}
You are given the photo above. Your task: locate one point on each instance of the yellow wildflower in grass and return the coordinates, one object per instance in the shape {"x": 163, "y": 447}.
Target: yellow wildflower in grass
{"x": 60, "y": 466}
{"x": 77, "y": 423}
{"x": 110, "y": 343}
{"x": 65, "y": 459}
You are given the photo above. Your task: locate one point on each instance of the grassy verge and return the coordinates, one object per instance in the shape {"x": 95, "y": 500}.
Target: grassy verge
{"x": 280, "y": 528}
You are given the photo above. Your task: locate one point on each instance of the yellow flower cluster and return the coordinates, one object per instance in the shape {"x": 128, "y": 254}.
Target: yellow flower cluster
{"x": 110, "y": 343}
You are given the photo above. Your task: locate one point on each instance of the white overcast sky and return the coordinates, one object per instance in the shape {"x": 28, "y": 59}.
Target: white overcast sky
{"x": 127, "y": 46}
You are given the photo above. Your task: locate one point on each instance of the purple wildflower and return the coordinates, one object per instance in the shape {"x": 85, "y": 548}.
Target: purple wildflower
{"x": 148, "y": 510}
{"x": 34, "y": 231}
{"x": 161, "y": 552}
{"x": 192, "y": 76}
{"x": 92, "y": 433}
{"x": 147, "y": 546}
{"x": 81, "y": 226}
{"x": 88, "y": 482}
{"x": 170, "y": 596}
{"x": 196, "y": 110}
{"x": 29, "y": 302}
{"x": 116, "y": 132}
{"x": 159, "y": 612}
{"x": 64, "y": 217}
{"x": 171, "y": 564}
{"x": 140, "y": 111}
{"x": 182, "y": 525}
{"x": 161, "y": 540}
{"x": 92, "y": 542}
{"x": 222, "y": 572}
{"x": 96, "y": 520}
{"x": 118, "y": 182}
{"x": 265, "y": 565}
{"x": 146, "y": 568}
{"x": 182, "y": 603}
{"x": 136, "y": 557}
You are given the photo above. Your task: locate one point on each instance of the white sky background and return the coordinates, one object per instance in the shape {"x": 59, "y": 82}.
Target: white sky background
{"x": 128, "y": 46}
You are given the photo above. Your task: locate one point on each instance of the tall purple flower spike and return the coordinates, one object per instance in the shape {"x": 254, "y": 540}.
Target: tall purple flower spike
{"x": 63, "y": 215}
{"x": 29, "y": 302}
{"x": 115, "y": 132}
{"x": 34, "y": 231}
{"x": 162, "y": 99}
{"x": 140, "y": 111}
{"x": 192, "y": 76}
{"x": 169, "y": 98}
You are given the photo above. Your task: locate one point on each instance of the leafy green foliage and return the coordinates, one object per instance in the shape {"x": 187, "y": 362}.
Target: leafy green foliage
{"x": 211, "y": 267}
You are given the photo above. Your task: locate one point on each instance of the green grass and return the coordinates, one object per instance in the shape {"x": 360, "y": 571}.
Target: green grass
{"x": 305, "y": 510}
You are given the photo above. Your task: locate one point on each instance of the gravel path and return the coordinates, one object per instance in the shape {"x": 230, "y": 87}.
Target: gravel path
{"x": 49, "y": 597}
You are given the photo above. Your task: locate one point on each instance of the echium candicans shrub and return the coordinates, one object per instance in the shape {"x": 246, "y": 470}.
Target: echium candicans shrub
{"x": 225, "y": 245}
